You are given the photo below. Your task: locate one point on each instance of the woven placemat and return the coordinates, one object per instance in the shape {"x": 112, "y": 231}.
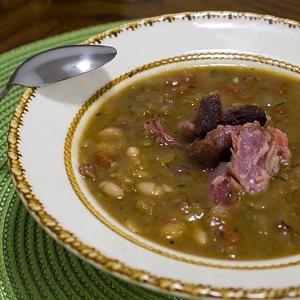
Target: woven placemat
{"x": 32, "y": 264}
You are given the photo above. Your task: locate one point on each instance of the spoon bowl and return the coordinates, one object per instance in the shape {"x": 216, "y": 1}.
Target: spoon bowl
{"x": 59, "y": 64}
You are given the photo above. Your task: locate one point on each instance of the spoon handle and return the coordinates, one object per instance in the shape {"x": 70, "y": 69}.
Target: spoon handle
{"x": 5, "y": 90}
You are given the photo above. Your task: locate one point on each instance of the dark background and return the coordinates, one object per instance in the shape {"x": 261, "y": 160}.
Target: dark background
{"x": 24, "y": 21}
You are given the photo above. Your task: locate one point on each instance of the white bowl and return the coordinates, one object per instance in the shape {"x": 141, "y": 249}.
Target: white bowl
{"x": 42, "y": 151}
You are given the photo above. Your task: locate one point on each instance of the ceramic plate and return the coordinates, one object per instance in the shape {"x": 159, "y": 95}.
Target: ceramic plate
{"x": 42, "y": 150}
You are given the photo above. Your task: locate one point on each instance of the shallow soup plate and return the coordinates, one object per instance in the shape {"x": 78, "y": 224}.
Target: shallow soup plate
{"x": 43, "y": 150}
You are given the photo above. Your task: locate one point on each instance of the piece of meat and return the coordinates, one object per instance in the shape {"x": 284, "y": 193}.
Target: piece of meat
{"x": 214, "y": 148}
{"x": 208, "y": 152}
{"x": 156, "y": 129}
{"x": 278, "y": 153}
{"x": 247, "y": 164}
{"x": 187, "y": 128}
{"x": 281, "y": 143}
{"x": 104, "y": 159}
{"x": 221, "y": 185}
{"x": 257, "y": 155}
{"x": 88, "y": 171}
{"x": 209, "y": 115}
{"x": 242, "y": 114}
{"x": 272, "y": 162}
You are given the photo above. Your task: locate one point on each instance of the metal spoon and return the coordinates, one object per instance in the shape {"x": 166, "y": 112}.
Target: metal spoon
{"x": 58, "y": 64}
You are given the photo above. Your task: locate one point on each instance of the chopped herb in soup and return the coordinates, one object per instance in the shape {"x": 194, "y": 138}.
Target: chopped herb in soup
{"x": 203, "y": 160}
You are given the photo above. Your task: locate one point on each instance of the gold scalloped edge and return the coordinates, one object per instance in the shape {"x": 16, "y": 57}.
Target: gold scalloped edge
{"x": 76, "y": 120}
{"x": 36, "y": 208}
{"x": 231, "y": 15}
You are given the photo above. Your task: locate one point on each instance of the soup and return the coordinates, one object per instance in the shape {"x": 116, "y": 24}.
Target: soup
{"x": 148, "y": 181}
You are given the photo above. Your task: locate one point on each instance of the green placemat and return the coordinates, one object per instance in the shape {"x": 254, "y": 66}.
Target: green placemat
{"x": 32, "y": 264}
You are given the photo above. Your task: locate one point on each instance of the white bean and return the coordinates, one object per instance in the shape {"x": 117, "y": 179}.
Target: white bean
{"x": 111, "y": 189}
{"x": 200, "y": 236}
{"x": 109, "y": 148}
{"x": 133, "y": 152}
{"x": 146, "y": 187}
{"x": 110, "y": 133}
{"x": 150, "y": 188}
{"x": 235, "y": 80}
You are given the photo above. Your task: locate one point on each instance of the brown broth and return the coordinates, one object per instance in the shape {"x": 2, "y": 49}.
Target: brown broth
{"x": 180, "y": 218}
